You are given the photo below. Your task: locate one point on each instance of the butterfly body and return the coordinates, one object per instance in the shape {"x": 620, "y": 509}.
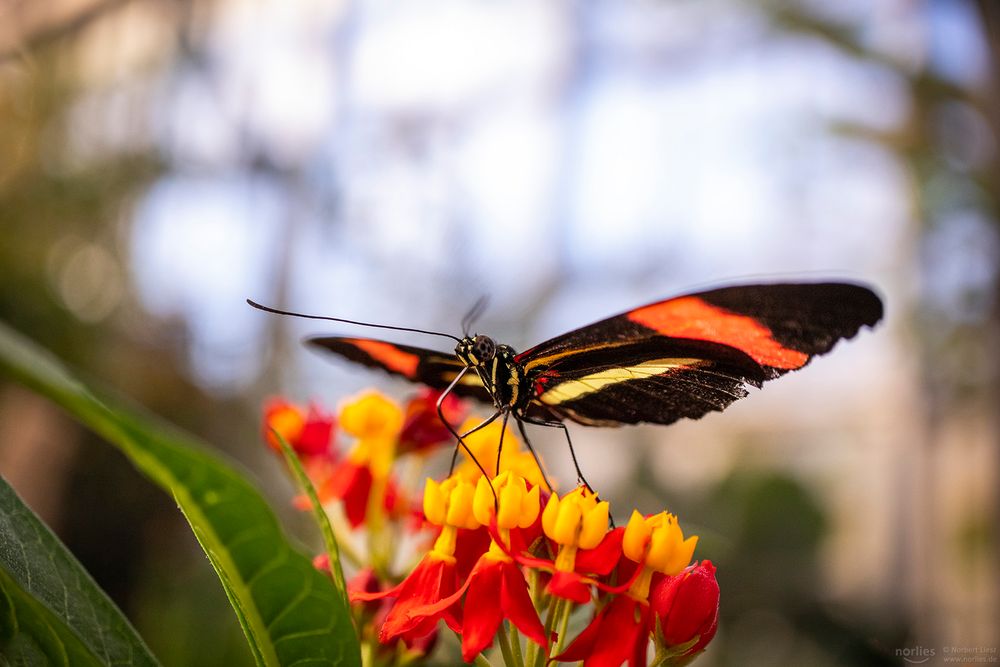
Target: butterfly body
{"x": 497, "y": 369}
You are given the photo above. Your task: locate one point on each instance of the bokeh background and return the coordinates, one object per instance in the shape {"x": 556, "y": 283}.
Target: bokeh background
{"x": 163, "y": 160}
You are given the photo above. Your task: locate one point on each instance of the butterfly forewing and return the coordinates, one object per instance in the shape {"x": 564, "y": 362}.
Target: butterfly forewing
{"x": 429, "y": 367}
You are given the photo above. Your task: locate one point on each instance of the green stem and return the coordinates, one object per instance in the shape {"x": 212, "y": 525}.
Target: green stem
{"x": 505, "y": 648}
{"x": 564, "y": 613}
{"x": 482, "y": 661}
{"x": 550, "y": 619}
{"x": 515, "y": 644}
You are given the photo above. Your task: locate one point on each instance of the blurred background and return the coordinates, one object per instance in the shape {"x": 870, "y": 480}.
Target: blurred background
{"x": 163, "y": 160}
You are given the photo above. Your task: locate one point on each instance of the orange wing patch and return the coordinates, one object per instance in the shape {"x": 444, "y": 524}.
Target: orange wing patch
{"x": 389, "y": 356}
{"x": 690, "y": 317}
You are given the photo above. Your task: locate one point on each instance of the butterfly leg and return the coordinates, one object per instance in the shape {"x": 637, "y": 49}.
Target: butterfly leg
{"x": 451, "y": 429}
{"x": 538, "y": 461}
{"x": 558, "y": 424}
{"x": 461, "y": 438}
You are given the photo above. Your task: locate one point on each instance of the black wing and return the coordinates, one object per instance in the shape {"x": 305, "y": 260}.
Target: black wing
{"x": 686, "y": 356}
{"x": 429, "y": 367}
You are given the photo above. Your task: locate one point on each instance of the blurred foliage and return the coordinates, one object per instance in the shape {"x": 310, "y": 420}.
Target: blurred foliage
{"x": 763, "y": 528}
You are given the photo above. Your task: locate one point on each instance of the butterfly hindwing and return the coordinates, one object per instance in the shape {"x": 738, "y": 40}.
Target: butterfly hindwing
{"x": 686, "y": 356}
{"x": 657, "y": 380}
{"x": 429, "y": 367}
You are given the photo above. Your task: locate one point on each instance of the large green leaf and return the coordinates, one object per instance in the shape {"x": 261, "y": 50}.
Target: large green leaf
{"x": 50, "y": 609}
{"x": 290, "y": 612}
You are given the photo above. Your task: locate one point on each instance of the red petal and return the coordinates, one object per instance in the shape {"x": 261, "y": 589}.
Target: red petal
{"x": 619, "y": 633}
{"x": 688, "y": 605}
{"x": 469, "y": 546}
{"x": 482, "y": 613}
{"x": 584, "y": 643}
{"x": 602, "y": 558}
{"x": 570, "y": 586}
{"x": 430, "y": 580}
{"x": 351, "y": 484}
{"x": 316, "y": 437}
{"x": 517, "y": 605}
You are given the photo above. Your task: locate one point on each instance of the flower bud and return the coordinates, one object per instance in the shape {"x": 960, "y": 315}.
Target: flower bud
{"x": 577, "y": 519}
{"x": 516, "y": 506}
{"x": 687, "y": 607}
{"x": 449, "y": 503}
{"x": 658, "y": 542}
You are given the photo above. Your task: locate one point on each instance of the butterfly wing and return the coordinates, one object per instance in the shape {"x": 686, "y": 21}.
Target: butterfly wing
{"x": 429, "y": 367}
{"x": 693, "y": 354}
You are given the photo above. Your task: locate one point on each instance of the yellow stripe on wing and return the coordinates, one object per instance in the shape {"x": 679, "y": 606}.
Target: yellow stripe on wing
{"x": 569, "y": 390}
{"x": 548, "y": 359}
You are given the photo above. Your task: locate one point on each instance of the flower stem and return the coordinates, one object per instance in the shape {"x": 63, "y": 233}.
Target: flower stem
{"x": 515, "y": 644}
{"x": 550, "y": 618}
{"x": 564, "y": 613}
{"x": 505, "y": 649}
{"x": 482, "y": 661}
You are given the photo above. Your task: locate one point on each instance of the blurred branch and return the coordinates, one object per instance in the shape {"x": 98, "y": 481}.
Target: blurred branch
{"x": 46, "y": 31}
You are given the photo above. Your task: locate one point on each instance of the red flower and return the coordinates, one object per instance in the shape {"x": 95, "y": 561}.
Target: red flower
{"x": 422, "y": 427}
{"x": 619, "y": 633}
{"x": 495, "y": 589}
{"x": 352, "y": 484}
{"x": 687, "y": 606}
{"x": 432, "y": 579}
{"x": 309, "y": 434}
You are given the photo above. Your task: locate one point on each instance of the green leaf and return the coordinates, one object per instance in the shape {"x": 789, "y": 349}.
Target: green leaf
{"x": 50, "y": 609}
{"x": 322, "y": 520}
{"x": 290, "y": 612}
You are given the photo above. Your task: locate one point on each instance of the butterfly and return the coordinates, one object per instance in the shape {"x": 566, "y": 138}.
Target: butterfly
{"x": 682, "y": 357}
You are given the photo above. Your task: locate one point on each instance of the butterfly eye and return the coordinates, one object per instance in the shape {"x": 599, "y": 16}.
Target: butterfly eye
{"x": 485, "y": 347}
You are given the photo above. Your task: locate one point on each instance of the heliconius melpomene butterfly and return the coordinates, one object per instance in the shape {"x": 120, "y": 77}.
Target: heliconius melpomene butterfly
{"x": 682, "y": 357}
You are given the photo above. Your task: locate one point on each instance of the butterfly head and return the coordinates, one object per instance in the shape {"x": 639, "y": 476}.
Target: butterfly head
{"x": 476, "y": 350}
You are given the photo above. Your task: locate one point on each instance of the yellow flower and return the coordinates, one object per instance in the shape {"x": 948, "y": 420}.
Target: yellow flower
{"x": 657, "y": 544}
{"x": 449, "y": 504}
{"x": 514, "y": 504}
{"x": 375, "y": 421}
{"x": 371, "y": 415}
{"x": 576, "y": 521}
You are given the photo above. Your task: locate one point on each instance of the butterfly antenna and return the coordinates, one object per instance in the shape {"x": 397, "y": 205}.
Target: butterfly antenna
{"x": 277, "y": 311}
{"x": 477, "y": 309}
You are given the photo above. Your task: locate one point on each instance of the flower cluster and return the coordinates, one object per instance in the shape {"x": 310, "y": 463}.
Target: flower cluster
{"x": 499, "y": 557}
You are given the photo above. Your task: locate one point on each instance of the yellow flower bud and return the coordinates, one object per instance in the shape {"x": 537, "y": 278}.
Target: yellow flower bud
{"x": 515, "y": 506}
{"x": 658, "y": 542}
{"x": 550, "y": 514}
{"x": 576, "y": 520}
{"x": 635, "y": 538}
{"x": 511, "y": 493}
{"x": 434, "y": 502}
{"x": 530, "y": 504}
{"x": 595, "y": 525}
{"x": 483, "y": 503}
{"x": 371, "y": 415}
{"x": 449, "y": 503}
{"x": 460, "y": 512}
{"x": 567, "y": 522}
